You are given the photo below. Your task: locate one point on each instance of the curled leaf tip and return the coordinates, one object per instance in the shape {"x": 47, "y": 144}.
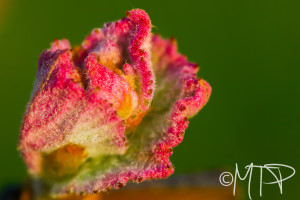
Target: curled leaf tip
{"x": 110, "y": 110}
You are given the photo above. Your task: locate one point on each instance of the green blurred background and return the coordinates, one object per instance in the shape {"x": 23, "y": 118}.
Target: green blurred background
{"x": 247, "y": 50}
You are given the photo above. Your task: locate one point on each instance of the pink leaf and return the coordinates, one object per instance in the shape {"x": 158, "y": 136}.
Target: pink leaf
{"x": 110, "y": 111}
